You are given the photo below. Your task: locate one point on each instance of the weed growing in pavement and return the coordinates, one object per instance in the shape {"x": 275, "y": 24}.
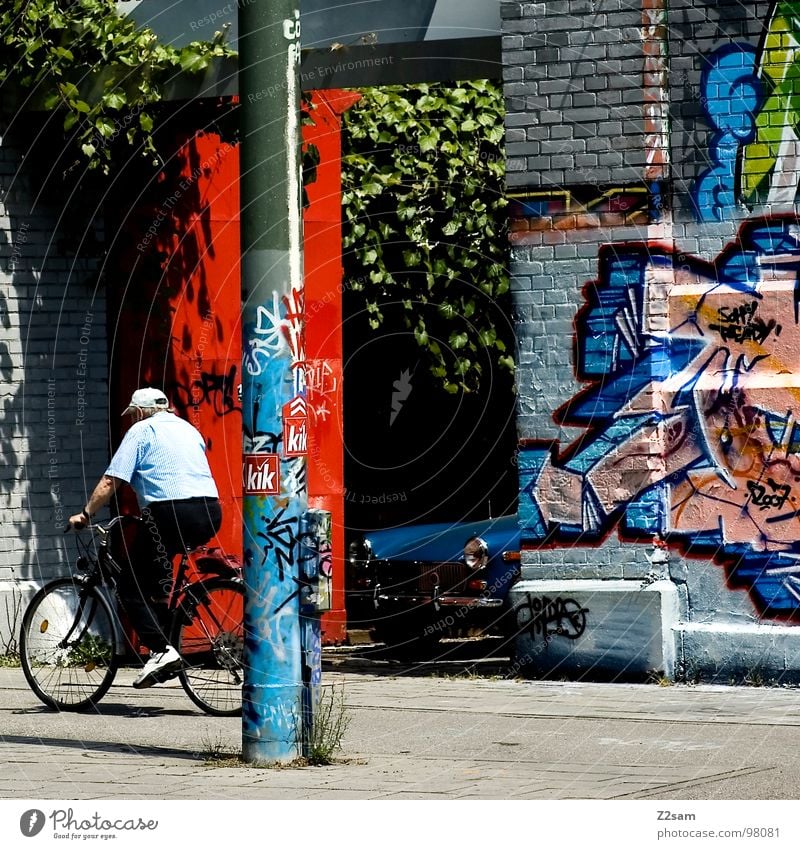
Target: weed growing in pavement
{"x": 692, "y": 674}
{"x": 656, "y": 677}
{"x": 469, "y": 673}
{"x": 9, "y": 647}
{"x": 215, "y": 752}
{"x": 330, "y": 722}
{"x": 329, "y": 725}
{"x": 754, "y": 678}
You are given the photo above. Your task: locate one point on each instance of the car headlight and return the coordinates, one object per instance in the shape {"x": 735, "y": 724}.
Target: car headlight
{"x": 476, "y": 553}
{"x": 359, "y": 552}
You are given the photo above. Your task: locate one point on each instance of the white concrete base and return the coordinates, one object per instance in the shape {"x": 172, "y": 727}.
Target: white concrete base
{"x": 725, "y": 653}
{"x": 14, "y": 598}
{"x": 596, "y": 628}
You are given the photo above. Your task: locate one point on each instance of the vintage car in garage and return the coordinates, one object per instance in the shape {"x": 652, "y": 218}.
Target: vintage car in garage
{"x": 416, "y": 584}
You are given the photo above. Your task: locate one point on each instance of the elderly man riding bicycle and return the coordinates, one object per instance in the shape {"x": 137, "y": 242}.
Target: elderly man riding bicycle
{"x": 163, "y": 458}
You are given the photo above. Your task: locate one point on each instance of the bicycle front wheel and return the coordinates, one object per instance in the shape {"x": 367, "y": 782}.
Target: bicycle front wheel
{"x": 67, "y": 645}
{"x": 209, "y": 634}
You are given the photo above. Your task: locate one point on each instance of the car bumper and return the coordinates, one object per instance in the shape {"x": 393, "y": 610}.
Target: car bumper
{"x": 440, "y": 601}
{"x": 459, "y": 601}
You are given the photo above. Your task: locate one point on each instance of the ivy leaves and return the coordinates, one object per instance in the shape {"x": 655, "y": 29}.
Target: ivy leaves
{"x": 105, "y": 76}
{"x": 423, "y": 169}
{"x": 424, "y": 212}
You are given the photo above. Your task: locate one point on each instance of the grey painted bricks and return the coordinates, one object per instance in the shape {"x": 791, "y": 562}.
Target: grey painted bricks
{"x": 576, "y": 66}
{"x": 53, "y": 417}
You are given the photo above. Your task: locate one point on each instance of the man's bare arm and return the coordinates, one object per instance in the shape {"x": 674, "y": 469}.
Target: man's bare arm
{"x": 105, "y": 489}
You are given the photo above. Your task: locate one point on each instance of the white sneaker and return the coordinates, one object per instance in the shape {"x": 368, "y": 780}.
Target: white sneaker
{"x": 160, "y": 667}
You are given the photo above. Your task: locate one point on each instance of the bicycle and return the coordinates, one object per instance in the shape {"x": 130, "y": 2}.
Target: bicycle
{"x": 72, "y": 641}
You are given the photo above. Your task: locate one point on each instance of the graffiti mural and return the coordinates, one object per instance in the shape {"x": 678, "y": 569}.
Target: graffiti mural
{"x": 731, "y": 94}
{"x": 771, "y": 161}
{"x": 691, "y": 412}
{"x": 584, "y": 206}
{"x": 750, "y": 99}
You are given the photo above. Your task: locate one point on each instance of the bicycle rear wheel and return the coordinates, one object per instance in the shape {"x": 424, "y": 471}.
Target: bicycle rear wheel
{"x": 67, "y": 645}
{"x": 209, "y": 634}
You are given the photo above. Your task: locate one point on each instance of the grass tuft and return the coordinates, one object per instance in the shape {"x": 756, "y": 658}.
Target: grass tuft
{"x": 329, "y": 725}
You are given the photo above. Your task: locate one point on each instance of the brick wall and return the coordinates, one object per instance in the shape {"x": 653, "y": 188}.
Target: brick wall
{"x": 641, "y": 148}
{"x": 53, "y": 413}
{"x": 696, "y": 30}
{"x": 576, "y": 129}
{"x": 573, "y": 82}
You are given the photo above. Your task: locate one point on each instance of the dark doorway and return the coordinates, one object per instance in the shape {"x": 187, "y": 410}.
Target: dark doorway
{"x": 414, "y": 453}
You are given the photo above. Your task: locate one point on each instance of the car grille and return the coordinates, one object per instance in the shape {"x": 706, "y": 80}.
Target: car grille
{"x": 412, "y": 578}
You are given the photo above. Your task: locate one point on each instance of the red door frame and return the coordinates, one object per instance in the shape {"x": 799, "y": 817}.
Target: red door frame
{"x": 174, "y": 314}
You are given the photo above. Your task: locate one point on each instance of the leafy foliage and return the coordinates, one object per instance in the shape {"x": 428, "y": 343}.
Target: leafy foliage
{"x": 309, "y": 153}
{"x": 424, "y": 212}
{"x": 82, "y": 58}
{"x": 92, "y": 651}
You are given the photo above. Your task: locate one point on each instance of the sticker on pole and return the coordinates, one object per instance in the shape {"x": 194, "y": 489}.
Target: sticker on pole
{"x": 261, "y": 474}
{"x": 295, "y": 431}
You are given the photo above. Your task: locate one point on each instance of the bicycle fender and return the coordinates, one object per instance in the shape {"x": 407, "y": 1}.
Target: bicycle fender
{"x": 198, "y": 591}
{"x": 213, "y": 562}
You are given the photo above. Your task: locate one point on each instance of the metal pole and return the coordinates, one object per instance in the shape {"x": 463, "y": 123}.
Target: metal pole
{"x": 273, "y": 373}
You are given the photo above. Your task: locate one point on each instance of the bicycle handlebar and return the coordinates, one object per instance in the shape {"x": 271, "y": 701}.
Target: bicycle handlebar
{"x": 104, "y": 530}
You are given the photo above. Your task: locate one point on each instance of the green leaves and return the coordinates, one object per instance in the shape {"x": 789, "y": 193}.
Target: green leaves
{"x": 424, "y": 209}
{"x": 115, "y": 100}
{"x": 85, "y": 60}
{"x": 458, "y": 340}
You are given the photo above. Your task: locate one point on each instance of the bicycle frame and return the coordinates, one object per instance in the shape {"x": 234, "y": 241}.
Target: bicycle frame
{"x": 102, "y": 576}
{"x": 105, "y": 570}
{"x": 72, "y": 640}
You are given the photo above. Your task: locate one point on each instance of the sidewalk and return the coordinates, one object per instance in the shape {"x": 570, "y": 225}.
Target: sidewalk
{"x": 414, "y": 737}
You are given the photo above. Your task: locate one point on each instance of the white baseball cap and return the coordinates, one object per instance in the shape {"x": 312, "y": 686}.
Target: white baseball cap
{"x": 147, "y": 398}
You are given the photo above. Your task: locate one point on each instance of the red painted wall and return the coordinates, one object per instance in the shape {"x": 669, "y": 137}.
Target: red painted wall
{"x": 174, "y": 308}
{"x": 323, "y": 298}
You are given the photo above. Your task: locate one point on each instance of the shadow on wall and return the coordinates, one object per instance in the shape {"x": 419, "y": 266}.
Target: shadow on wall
{"x": 53, "y": 352}
{"x": 174, "y": 258}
